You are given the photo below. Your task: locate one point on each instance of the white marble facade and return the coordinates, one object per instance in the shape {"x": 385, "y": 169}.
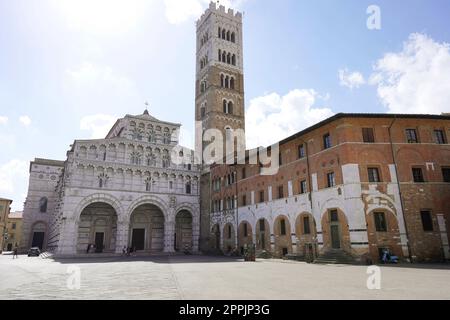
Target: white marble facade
{"x": 126, "y": 190}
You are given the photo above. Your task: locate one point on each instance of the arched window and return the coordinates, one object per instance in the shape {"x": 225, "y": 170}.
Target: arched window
{"x": 225, "y": 106}
{"x": 229, "y": 58}
{"x": 233, "y": 60}
{"x": 230, "y": 107}
{"x": 224, "y": 57}
{"x": 220, "y": 55}
{"x": 148, "y": 184}
{"x": 188, "y": 188}
{"x": 227, "y": 82}
{"x": 43, "y": 204}
{"x": 219, "y": 33}
{"x": 222, "y": 82}
{"x": 233, "y": 37}
{"x": 223, "y": 34}
{"x": 232, "y": 83}
{"x": 228, "y": 36}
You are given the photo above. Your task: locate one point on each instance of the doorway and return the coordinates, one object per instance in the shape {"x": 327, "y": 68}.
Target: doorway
{"x": 138, "y": 239}
{"x": 99, "y": 239}
{"x": 38, "y": 240}
{"x": 335, "y": 230}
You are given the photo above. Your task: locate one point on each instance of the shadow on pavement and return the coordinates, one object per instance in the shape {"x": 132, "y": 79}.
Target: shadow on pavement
{"x": 152, "y": 259}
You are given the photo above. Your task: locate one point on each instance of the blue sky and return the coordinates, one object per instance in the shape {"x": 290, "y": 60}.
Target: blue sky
{"x": 69, "y": 68}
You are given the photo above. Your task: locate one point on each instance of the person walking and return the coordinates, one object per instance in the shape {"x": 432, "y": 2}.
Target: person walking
{"x": 15, "y": 256}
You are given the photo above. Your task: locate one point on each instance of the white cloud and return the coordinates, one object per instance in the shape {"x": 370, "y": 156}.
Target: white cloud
{"x": 350, "y": 79}
{"x": 179, "y": 11}
{"x": 13, "y": 182}
{"x": 416, "y": 79}
{"x": 25, "y": 120}
{"x": 98, "y": 124}
{"x": 102, "y": 17}
{"x": 3, "y": 120}
{"x": 91, "y": 85}
{"x": 272, "y": 117}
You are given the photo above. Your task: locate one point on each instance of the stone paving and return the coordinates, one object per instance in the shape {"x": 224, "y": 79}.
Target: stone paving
{"x": 200, "y": 277}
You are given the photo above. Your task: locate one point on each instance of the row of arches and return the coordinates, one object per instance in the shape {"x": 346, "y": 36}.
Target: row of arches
{"x": 227, "y": 57}
{"x": 281, "y": 237}
{"x": 226, "y": 35}
{"x": 98, "y": 230}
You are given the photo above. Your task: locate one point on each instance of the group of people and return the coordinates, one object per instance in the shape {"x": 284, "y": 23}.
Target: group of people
{"x": 127, "y": 251}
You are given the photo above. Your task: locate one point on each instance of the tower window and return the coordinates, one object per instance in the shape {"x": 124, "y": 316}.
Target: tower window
{"x": 223, "y": 34}
{"x": 233, "y": 37}
{"x": 232, "y": 83}
{"x": 233, "y": 60}
{"x": 230, "y": 107}
{"x": 227, "y": 82}
{"x": 228, "y": 36}
{"x": 229, "y": 58}
{"x": 188, "y": 188}
{"x": 219, "y": 32}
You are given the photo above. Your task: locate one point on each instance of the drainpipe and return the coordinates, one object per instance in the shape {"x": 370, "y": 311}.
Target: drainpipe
{"x": 399, "y": 189}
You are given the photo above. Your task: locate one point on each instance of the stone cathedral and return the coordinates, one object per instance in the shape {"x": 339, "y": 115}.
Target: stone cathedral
{"x": 346, "y": 189}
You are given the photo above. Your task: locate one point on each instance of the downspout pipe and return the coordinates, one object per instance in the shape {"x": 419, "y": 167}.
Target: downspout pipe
{"x": 399, "y": 188}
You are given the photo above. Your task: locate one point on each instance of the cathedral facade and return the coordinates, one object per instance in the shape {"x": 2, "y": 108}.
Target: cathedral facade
{"x": 124, "y": 191}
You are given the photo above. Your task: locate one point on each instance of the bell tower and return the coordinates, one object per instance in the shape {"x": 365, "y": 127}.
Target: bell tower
{"x": 219, "y": 93}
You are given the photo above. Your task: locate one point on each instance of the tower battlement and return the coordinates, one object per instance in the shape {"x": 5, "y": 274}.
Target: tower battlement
{"x": 213, "y": 8}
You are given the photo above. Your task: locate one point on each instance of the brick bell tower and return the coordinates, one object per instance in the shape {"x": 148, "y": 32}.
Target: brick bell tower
{"x": 219, "y": 93}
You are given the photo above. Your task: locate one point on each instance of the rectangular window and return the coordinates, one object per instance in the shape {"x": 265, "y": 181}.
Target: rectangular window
{"x": 243, "y": 173}
{"x": 326, "y": 141}
{"x": 331, "y": 182}
{"x": 280, "y": 192}
{"x": 282, "y": 227}
{"x": 303, "y": 187}
{"x": 368, "y": 136}
{"x": 418, "y": 175}
{"x": 14, "y": 226}
{"x": 170, "y": 185}
{"x": 301, "y": 151}
{"x": 446, "y": 174}
{"x": 411, "y": 136}
{"x": 280, "y": 159}
{"x": 261, "y": 196}
{"x": 306, "y": 227}
{"x": 439, "y": 137}
{"x": 380, "y": 221}
{"x": 427, "y": 222}
{"x": 244, "y": 200}
{"x": 374, "y": 175}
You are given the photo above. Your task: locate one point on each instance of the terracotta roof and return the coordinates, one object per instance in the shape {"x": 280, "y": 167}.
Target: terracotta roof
{"x": 15, "y": 215}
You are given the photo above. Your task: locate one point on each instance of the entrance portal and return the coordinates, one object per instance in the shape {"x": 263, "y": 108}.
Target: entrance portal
{"x": 38, "y": 240}
{"x": 99, "y": 238}
{"x": 138, "y": 239}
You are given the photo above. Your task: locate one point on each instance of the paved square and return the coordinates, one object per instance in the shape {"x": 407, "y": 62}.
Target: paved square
{"x": 200, "y": 277}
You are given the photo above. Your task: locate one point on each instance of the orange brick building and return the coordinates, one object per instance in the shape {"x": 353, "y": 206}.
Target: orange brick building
{"x": 354, "y": 183}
